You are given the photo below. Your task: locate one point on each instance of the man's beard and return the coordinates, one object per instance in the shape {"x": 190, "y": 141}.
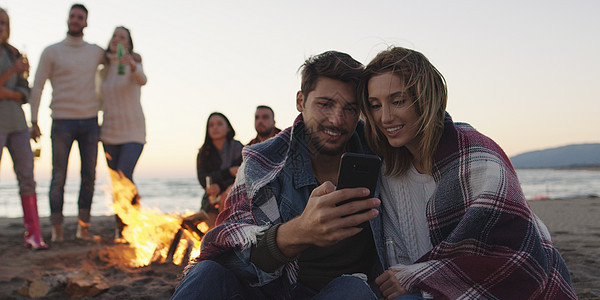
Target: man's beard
{"x": 318, "y": 145}
{"x": 265, "y": 133}
{"x": 75, "y": 33}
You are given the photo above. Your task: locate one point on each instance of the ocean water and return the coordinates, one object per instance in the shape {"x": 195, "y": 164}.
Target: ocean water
{"x": 180, "y": 195}
{"x": 169, "y": 195}
{"x": 559, "y": 183}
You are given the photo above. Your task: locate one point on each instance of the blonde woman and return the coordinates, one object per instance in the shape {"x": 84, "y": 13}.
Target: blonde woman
{"x": 455, "y": 221}
{"x": 14, "y": 133}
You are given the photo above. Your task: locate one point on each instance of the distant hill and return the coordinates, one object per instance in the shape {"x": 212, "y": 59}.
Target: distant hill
{"x": 580, "y": 155}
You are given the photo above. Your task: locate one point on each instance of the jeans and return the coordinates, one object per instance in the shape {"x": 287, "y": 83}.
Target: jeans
{"x": 123, "y": 157}
{"x": 210, "y": 280}
{"x": 20, "y": 150}
{"x": 86, "y": 132}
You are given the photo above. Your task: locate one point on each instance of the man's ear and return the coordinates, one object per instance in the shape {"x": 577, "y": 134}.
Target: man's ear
{"x": 300, "y": 101}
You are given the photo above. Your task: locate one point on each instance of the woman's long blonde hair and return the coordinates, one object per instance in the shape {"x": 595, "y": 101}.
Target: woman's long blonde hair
{"x": 425, "y": 86}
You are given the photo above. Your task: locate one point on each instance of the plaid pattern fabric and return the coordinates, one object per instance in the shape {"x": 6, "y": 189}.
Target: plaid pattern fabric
{"x": 252, "y": 205}
{"x": 488, "y": 244}
{"x": 248, "y": 213}
{"x": 256, "y": 140}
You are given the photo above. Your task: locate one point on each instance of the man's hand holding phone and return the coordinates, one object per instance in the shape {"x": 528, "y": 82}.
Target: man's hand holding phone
{"x": 359, "y": 170}
{"x": 324, "y": 222}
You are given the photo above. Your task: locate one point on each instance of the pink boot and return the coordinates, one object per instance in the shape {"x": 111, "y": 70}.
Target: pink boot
{"x": 33, "y": 235}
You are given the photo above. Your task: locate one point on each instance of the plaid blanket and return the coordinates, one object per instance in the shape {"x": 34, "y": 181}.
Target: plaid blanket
{"x": 488, "y": 244}
{"x": 252, "y": 206}
{"x": 248, "y": 213}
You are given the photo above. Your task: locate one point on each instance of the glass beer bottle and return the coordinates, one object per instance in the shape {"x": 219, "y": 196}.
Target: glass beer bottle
{"x": 25, "y": 73}
{"x": 36, "y": 148}
{"x": 120, "y": 53}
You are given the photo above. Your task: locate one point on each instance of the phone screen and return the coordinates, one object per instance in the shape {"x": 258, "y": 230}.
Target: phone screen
{"x": 359, "y": 170}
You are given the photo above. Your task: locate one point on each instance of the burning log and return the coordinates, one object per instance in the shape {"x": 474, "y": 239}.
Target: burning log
{"x": 155, "y": 236}
{"x": 190, "y": 224}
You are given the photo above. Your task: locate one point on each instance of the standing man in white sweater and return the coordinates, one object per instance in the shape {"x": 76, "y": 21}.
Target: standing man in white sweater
{"x": 71, "y": 67}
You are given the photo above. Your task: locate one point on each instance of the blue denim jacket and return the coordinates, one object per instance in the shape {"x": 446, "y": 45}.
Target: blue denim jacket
{"x": 292, "y": 188}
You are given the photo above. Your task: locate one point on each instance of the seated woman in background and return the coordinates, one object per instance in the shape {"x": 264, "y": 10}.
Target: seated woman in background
{"x": 218, "y": 161}
{"x": 123, "y": 131}
{"x": 455, "y": 220}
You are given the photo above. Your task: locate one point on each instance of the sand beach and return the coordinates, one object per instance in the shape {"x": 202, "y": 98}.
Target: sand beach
{"x": 573, "y": 223}
{"x": 102, "y": 259}
{"x": 575, "y": 229}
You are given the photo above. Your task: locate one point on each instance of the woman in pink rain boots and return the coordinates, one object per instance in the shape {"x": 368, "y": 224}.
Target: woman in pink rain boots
{"x": 33, "y": 235}
{"x": 14, "y": 133}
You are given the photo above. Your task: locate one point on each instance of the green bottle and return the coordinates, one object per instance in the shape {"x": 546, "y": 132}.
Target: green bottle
{"x": 120, "y": 53}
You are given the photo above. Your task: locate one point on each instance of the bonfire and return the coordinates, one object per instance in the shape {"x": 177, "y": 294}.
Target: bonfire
{"x": 153, "y": 235}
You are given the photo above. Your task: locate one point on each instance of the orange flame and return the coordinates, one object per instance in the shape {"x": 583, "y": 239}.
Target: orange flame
{"x": 150, "y": 232}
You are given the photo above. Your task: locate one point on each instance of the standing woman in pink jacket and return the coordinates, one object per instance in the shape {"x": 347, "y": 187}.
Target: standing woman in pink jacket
{"x": 14, "y": 133}
{"x": 123, "y": 131}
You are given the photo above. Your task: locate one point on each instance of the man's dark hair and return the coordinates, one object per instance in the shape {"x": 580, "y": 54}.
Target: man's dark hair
{"x": 81, "y": 6}
{"x": 332, "y": 64}
{"x": 267, "y": 107}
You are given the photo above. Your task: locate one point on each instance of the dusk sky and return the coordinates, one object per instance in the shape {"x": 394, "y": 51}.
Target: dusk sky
{"x": 525, "y": 73}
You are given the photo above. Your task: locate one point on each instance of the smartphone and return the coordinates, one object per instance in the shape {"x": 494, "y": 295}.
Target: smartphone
{"x": 359, "y": 170}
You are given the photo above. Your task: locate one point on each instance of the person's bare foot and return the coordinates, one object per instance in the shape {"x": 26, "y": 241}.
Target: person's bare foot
{"x": 57, "y": 233}
{"x": 83, "y": 232}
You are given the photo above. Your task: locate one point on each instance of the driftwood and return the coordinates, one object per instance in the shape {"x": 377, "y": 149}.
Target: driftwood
{"x": 86, "y": 284}
{"x": 190, "y": 224}
{"x": 41, "y": 286}
{"x": 76, "y": 284}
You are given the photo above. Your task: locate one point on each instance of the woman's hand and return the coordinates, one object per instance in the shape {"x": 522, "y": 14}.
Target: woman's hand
{"x": 213, "y": 190}
{"x": 6, "y": 93}
{"x": 35, "y": 131}
{"x": 390, "y": 286}
{"x": 128, "y": 60}
{"x": 20, "y": 65}
{"x": 233, "y": 170}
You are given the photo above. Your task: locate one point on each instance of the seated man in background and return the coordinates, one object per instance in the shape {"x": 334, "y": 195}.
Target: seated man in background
{"x": 264, "y": 123}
